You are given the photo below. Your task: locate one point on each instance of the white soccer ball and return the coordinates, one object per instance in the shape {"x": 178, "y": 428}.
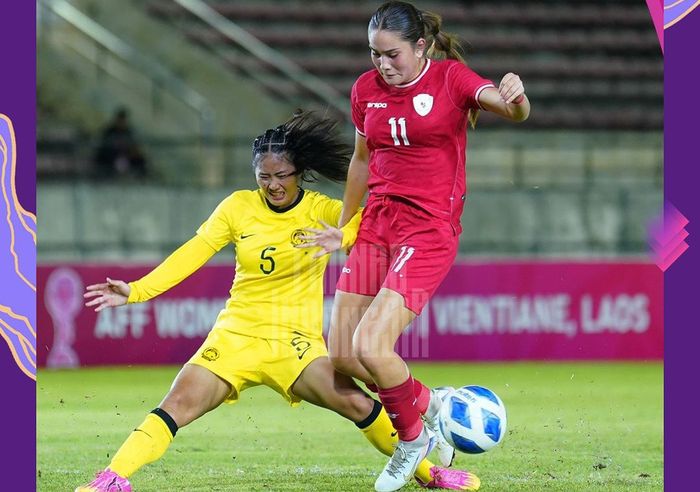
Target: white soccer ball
{"x": 473, "y": 419}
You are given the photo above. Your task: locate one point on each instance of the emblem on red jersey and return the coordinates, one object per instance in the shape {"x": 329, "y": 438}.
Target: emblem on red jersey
{"x": 423, "y": 103}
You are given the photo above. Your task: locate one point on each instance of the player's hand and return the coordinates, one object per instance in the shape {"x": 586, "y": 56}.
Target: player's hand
{"x": 113, "y": 293}
{"x": 329, "y": 239}
{"x": 511, "y": 87}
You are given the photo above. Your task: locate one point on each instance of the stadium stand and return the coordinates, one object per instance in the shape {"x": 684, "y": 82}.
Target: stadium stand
{"x": 582, "y": 176}
{"x": 586, "y": 65}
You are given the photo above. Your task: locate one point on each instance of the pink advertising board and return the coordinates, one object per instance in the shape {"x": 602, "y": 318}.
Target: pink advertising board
{"x": 482, "y": 312}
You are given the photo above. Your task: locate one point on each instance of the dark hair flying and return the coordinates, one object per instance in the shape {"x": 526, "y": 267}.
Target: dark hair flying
{"x": 311, "y": 144}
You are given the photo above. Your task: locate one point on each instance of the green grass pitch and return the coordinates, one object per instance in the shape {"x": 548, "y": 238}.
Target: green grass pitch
{"x": 571, "y": 427}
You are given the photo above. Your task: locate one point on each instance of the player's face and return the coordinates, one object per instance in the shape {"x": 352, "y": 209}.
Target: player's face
{"x": 277, "y": 178}
{"x": 397, "y": 60}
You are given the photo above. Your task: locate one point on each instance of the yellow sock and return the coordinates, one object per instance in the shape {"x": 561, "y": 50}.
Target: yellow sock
{"x": 145, "y": 445}
{"x": 383, "y": 437}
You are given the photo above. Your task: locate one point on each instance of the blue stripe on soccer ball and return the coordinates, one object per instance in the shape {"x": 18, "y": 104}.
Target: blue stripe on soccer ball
{"x": 460, "y": 413}
{"x": 492, "y": 424}
{"x": 473, "y": 419}
{"x": 486, "y": 393}
{"x": 466, "y": 445}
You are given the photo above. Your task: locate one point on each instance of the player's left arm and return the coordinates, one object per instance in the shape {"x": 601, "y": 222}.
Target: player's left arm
{"x": 509, "y": 100}
{"x": 332, "y": 238}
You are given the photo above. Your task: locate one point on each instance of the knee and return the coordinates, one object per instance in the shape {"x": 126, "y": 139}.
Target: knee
{"x": 361, "y": 406}
{"x": 369, "y": 356}
{"x": 372, "y": 364}
{"x": 180, "y": 407}
{"x": 355, "y": 406}
{"x": 343, "y": 364}
{"x": 366, "y": 348}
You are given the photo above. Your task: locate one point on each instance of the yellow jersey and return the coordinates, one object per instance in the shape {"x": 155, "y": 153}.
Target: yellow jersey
{"x": 278, "y": 288}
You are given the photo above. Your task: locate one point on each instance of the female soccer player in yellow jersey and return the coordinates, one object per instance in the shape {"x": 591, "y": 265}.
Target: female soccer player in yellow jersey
{"x": 270, "y": 331}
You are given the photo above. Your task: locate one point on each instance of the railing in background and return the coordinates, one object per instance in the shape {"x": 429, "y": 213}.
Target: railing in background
{"x": 86, "y": 220}
{"x": 268, "y": 57}
{"x": 511, "y": 166}
{"x": 101, "y": 46}
{"x": 539, "y": 195}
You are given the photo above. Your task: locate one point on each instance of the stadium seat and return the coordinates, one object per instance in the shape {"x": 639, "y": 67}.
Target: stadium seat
{"x": 612, "y": 48}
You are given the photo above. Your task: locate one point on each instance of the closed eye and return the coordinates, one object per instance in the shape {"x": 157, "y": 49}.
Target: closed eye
{"x": 392, "y": 54}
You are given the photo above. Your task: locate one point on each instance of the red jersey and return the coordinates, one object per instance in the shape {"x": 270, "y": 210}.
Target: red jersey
{"x": 417, "y": 134}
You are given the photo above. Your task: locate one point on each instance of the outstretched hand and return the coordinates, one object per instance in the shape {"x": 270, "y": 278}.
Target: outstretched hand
{"x": 511, "y": 87}
{"x": 329, "y": 239}
{"x": 113, "y": 293}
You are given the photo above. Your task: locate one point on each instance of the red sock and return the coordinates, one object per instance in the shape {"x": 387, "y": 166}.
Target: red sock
{"x": 422, "y": 394}
{"x": 398, "y": 402}
{"x": 372, "y": 387}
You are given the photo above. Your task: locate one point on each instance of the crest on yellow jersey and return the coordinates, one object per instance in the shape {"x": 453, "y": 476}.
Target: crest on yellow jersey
{"x": 296, "y": 237}
{"x": 210, "y": 354}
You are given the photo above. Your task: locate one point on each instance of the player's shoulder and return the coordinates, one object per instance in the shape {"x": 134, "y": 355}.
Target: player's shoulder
{"x": 368, "y": 76}
{"x": 458, "y": 69}
{"x": 318, "y": 203}
{"x": 242, "y": 198}
{"x": 445, "y": 64}
{"x": 450, "y": 66}
{"x": 370, "y": 80}
{"x": 315, "y": 197}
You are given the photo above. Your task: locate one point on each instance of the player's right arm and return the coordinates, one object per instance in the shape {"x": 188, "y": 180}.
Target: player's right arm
{"x": 184, "y": 261}
{"x": 356, "y": 185}
{"x": 215, "y": 233}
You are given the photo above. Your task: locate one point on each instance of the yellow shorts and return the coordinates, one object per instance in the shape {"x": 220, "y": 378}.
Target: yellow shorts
{"x": 245, "y": 361}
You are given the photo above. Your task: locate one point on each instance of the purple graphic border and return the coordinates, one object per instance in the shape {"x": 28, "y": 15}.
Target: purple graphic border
{"x": 17, "y": 101}
{"x": 676, "y": 10}
{"x": 680, "y": 289}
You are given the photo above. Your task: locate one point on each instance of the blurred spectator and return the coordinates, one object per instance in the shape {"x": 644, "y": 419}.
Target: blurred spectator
{"x": 119, "y": 153}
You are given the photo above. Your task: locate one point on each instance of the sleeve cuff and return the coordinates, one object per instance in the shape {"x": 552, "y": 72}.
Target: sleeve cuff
{"x": 134, "y": 294}
{"x": 478, "y": 93}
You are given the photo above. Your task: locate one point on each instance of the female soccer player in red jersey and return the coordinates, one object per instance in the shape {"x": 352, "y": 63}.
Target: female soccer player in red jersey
{"x": 270, "y": 329}
{"x": 411, "y": 114}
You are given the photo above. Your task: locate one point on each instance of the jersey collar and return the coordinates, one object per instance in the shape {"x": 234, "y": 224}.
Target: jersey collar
{"x": 417, "y": 79}
{"x": 288, "y": 207}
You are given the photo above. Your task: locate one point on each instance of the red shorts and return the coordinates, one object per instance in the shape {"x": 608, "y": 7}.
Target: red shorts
{"x": 400, "y": 247}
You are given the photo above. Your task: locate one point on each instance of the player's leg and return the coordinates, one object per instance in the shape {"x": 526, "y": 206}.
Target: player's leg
{"x": 348, "y": 310}
{"x": 199, "y": 387}
{"x": 194, "y": 392}
{"x": 374, "y": 341}
{"x": 323, "y": 386}
{"x": 421, "y": 258}
{"x": 359, "y": 281}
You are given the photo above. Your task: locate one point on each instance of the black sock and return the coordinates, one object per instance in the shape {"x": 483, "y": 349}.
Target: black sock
{"x": 165, "y": 417}
{"x": 371, "y": 417}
